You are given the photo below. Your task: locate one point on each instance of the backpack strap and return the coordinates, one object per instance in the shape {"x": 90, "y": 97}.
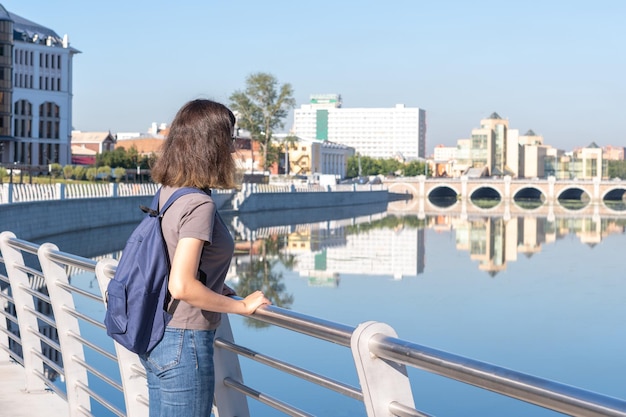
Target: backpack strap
{"x": 155, "y": 209}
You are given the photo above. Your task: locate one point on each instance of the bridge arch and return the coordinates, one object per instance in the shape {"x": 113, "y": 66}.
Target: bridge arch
{"x": 529, "y": 197}
{"x": 616, "y": 193}
{"x": 614, "y": 199}
{"x": 573, "y": 198}
{"x": 443, "y": 196}
{"x": 403, "y": 188}
{"x": 573, "y": 193}
{"x": 485, "y": 197}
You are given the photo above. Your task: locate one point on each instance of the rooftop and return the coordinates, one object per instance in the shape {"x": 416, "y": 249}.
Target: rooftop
{"x": 25, "y": 30}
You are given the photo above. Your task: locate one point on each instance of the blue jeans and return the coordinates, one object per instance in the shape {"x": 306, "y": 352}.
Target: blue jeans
{"x": 181, "y": 379}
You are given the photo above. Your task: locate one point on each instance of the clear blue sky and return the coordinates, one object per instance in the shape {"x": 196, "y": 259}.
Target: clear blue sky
{"x": 557, "y": 67}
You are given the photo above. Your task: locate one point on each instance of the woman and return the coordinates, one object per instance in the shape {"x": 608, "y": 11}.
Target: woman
{"x": 196, "y": 153}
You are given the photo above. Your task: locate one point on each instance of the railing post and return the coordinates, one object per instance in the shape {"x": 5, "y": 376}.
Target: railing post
{"x": 26, "y": 321}
{"x": 382, "y": 382}
{"x": 229, "y": 402}
{"x": 6, "y": 193}
{"x": 135, "y": 385}
{"x": 67, "y": 327}
{"x": 61, "y": 188}
{"x": 4, "y": 328}
{"x": 11, "y": 188}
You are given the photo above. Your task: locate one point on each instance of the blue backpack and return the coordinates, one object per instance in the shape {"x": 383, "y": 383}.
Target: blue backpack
{"x": 136, "y": 314}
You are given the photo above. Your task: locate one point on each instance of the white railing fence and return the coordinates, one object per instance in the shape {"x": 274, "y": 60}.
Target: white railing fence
{"x": 48, "y": 327}
{"x": 20, "y": 193}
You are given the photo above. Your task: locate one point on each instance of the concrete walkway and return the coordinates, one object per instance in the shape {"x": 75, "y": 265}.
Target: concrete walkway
{"x": 16, "y": 402}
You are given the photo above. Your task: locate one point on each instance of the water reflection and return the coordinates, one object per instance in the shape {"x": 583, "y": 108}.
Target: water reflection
{"x": 338, "y": 263}
{"x": 257, "y": 272}
{"x": 322, "y": 244}
{"x": 394, "y": 245}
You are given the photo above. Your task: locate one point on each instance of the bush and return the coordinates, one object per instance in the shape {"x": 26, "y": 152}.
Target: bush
{"x": 68, "y": 170}
{"x": 104, "y": 173}
{"x": 91, "y": 174}
{"x": 79, "y": 172}
{"x": 55, "y": 170}
{"x": 119, "y": 174}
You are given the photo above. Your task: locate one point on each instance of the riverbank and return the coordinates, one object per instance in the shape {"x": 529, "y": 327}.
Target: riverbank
{"x": 38, "y": 219}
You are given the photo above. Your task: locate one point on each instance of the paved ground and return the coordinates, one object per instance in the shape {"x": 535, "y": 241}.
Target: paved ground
{"x": 16, "y": 402}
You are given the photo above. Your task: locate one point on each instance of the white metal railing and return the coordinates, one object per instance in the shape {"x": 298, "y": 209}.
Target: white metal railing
{"x": 307, "y": 188}
{"x": 380, "y": 357}
{"x": 20, "y": 193}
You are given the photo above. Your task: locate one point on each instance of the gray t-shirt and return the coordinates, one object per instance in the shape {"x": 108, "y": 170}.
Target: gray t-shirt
{"x": 195, "y": 215}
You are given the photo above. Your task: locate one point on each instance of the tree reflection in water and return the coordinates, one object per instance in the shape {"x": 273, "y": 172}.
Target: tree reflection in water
{"x": 261, "y": 274}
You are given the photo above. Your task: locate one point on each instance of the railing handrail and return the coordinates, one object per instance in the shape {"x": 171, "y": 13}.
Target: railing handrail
{"x": 375, "y": 347}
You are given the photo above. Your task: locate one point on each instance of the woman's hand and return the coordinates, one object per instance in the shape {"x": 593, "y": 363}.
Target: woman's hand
{"x": 254, "y": 301}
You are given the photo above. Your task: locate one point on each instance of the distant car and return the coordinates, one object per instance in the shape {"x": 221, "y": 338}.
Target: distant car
{"x": 355, "y": 180}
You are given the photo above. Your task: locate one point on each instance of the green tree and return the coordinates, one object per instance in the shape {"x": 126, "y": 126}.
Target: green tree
{"x": 261, "y": 274}
{"x": 119, "y": 173}
{"x": 261, "y": 108}
{"x": 91, "y": 174}
{"x": 55, "y": 170}
{"x": 104, "y": 172}
{"x": 133, "y": 157}
{"x": 359, "y": 165}
{"x": 79, "y": 172}
{"x": 68, "y": 170}
{"x": 616, "y": 169}
{"x": 415, "y": 168}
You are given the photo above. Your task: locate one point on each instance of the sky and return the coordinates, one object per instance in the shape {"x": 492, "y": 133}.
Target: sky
{"x": 556, "y": 67}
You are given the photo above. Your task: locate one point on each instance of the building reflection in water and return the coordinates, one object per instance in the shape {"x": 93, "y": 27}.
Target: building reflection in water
{"x": 370, "y": 244}
{"x": 395, "y": 246}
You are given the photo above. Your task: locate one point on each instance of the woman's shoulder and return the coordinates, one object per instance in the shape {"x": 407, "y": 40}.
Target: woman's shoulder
{"x": 196, "y": 198}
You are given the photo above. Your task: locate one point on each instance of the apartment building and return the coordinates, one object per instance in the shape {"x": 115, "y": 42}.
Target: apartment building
{"x": 396, "y": 132}
{"x": 308, "y": 157}
{"x": 35, "y": 91}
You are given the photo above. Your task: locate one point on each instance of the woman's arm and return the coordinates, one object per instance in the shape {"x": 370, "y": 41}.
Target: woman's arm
{"x": 184, "y": 285}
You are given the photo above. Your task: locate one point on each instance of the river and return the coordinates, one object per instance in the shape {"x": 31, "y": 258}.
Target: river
{"x": 544, "y": 297}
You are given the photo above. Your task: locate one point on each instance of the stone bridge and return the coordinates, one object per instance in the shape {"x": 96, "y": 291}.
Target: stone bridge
{"x": 544, "y": 197}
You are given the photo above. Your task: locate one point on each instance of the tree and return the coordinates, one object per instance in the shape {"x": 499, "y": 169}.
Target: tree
{"x": 55, "y": 170}
{"x": 119, "y": 174}
{"x": 91, "y": 174}
{"x": 261, "y": 108}
{"x": 104, "y": 172}
{"x": 68, "y": 170}
{"x": 616, "y": 169}
{"x": 79, "y": 172}
{"x": 415, "y": 168}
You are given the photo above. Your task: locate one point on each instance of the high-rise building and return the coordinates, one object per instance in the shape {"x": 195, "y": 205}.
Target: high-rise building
{"x": 396, "y": 132}
{"x": 35, "y": 93}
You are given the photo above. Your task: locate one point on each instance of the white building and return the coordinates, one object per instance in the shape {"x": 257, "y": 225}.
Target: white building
{"x": 35, "y": 91}
{"x": 308, "y": 157}
{"x": 391, "y": 253}
{"x": 443, "y": 153}
{"x": 396, "y": 132}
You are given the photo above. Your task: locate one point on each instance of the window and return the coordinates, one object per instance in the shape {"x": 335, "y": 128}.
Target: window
{"x": 49, "y": 120}
{"x": 23, "y": 116}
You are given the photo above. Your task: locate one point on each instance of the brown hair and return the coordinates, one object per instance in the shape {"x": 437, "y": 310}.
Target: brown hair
{"x": 197, "y": 151}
